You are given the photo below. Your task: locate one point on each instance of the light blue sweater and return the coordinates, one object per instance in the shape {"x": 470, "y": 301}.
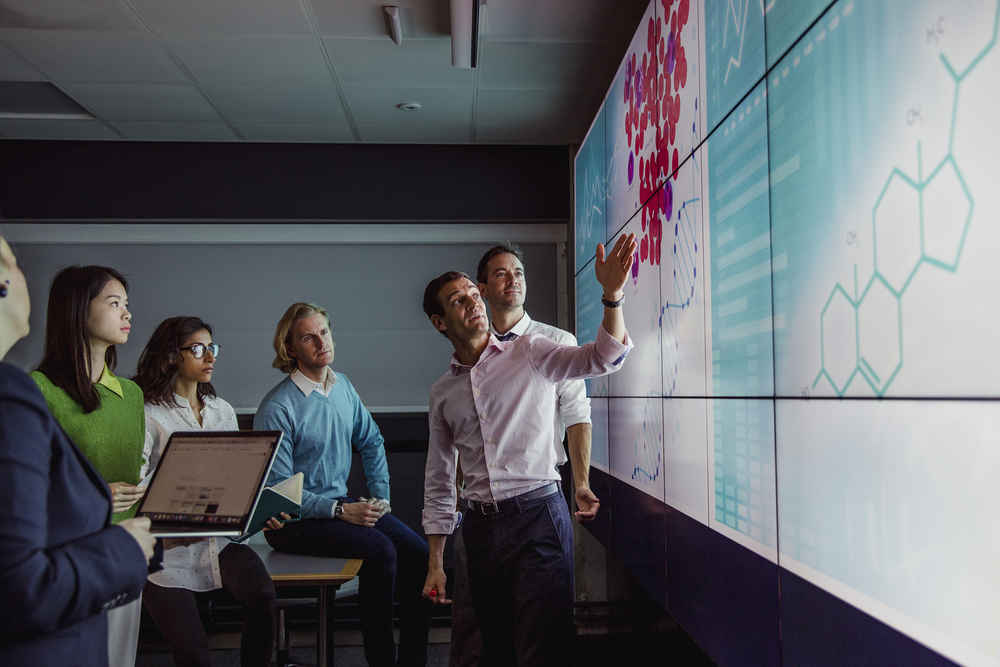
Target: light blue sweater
{"x": 319, "y": 433}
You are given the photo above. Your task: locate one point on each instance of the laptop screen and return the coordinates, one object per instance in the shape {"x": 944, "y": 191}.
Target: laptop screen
{"x": 210, "y": 480}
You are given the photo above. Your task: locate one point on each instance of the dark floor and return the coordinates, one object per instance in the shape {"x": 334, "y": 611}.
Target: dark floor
{"x": 665, "y": 643}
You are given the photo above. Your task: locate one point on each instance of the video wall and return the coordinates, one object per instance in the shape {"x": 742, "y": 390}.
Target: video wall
{"x": 813, "y": 300}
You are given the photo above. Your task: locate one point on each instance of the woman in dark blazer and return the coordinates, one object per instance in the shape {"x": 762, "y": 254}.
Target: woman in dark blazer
{"x": 62, "y": 563}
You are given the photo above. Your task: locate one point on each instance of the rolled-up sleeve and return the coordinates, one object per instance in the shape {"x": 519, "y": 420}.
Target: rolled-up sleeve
{"x": 562, "y": 362}
{"x": 574, "y": 406}
{"x": 439, "y": 516}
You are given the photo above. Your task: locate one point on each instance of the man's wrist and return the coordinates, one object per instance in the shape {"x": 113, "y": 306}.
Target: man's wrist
{"x": 616, "y": 295}
{"x": 338, "y": 510}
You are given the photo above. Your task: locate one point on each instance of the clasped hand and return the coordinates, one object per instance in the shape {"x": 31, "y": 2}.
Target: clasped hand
{"x": 366, "y": 512}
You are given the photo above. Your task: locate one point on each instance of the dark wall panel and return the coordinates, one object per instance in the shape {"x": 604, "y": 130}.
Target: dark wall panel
{"x": 135, "y": 180}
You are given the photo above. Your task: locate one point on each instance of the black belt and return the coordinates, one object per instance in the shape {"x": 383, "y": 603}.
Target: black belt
{"x": 511, "y": 505}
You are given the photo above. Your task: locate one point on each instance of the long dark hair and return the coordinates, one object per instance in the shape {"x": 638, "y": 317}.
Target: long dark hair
{"x": 160, "y": 360}
{"x": 66, "y": 358}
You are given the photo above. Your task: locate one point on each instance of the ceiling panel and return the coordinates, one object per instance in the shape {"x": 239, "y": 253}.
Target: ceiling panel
{"x": 149, "y": 102}
{"x": 232, "y": 17}
{"x": 382, "y": 63}
{"x": 253, "y": 59}
{"x": 278, "y": 102}
{"x": 65, "y": 15}
{"x": 446, "y": 116}
{"x": 54, "y": 129}
{"x": 91, "y": 57}
{"x": 538, "y": 65}
{"x": 297, "y": 132}
{"x": 529, "y": 20}
{"x": 365, "y": 18}
{"x": 531, "y": 116}
{"x": 160, "y": 131}
{"x": 15, "y": 68}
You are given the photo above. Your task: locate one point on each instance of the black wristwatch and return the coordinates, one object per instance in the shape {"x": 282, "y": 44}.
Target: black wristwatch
{"x": 338, "y": 511}
{"x": 612, "y": 304}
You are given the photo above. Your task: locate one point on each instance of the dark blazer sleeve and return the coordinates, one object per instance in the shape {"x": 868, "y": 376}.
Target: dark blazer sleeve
{"x": 60, "y": 560}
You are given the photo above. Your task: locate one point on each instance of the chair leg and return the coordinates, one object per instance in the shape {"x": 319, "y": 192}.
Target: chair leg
{"x": 282, "y": 640}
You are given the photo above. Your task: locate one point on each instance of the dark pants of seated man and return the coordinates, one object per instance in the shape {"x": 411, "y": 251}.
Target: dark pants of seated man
{"x": 175, "y": 611}
{"x": 395, "y": 564}
{"x": 521, "y": 579}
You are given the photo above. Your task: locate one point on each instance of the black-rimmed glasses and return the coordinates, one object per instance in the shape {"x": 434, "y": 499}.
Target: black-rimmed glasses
{"x": 198, "y": 350}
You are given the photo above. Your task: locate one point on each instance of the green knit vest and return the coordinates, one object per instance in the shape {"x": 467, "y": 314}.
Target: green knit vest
{"x": 111, "y": 437}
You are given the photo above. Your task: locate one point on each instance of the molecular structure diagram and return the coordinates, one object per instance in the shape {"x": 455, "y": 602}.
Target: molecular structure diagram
{"x": 920, "y": 207}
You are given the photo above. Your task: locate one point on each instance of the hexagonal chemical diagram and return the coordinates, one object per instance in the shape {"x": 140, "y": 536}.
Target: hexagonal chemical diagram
{"x": 947, "y": 214}
{"x": 838, "y": 338}
{"x": 880, "y": 338}
{"x": 896, "y": 220}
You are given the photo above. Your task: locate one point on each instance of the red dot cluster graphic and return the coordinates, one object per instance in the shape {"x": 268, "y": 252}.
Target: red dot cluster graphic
{"x": 653, "y": 85}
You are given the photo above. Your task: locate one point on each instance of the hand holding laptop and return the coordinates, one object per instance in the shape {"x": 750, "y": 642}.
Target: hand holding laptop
{"x": 124, "y": 495}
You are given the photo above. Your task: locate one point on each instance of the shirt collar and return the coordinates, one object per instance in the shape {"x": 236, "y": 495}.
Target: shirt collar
{"x": 307, "y": 386}
{"x": 111, "y": 383}
{"x": 518, "y": 329}
{"x": 183, "y": 402}
{"x": 457, "y": 366}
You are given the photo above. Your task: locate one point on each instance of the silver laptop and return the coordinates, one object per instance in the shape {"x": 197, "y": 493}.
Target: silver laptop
{"x": 208, "y": 483}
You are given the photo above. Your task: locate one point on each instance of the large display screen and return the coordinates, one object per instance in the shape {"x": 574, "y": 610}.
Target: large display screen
{"x": 813, "y": 188}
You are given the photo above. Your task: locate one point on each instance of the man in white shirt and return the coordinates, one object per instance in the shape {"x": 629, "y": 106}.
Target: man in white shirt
{"x": 503, "y": 283}
{"x": 492, "y": 413}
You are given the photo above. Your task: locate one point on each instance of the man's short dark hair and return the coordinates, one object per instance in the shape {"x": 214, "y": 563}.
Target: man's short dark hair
{"x": 432, "y": 304}
{"x": 507, "y": 248}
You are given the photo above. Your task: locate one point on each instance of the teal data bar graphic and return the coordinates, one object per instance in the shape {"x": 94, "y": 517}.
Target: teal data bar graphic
{"x": 744, "y": 475}
{"x": 786, "y": 21}
{"x": 740, "y": 239}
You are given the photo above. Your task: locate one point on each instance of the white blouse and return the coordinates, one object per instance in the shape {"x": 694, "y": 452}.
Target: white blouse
{"x": 193, "y": 566}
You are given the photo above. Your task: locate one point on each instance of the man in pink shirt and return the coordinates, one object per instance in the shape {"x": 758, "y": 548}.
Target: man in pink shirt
{"x": 492, "y": 414}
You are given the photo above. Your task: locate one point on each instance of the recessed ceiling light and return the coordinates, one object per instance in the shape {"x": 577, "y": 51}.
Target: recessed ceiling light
{"x": 410, "y": 106}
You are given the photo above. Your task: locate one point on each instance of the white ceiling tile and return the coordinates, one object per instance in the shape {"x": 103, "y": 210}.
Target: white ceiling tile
{"x": 160, "y": 131}
{"x": 149, "y": 102}
{"x": 536, "y": 65}
{"x": 92, "y": 57}
{"x": 15, "y": 68}
{"x": 531, "y": 116}
{"x": 446, "y": 116}
{"x": 277, "y": 103}
{"x": 65, "y": 15}
{"x": 297, "y": 132}
{"x": 366, "y": 18}
{"x": 54, "y": 129}
{"x": 382, "y": 63}
{"x": 253, "y": 59}
{"x": 232, "y": 17}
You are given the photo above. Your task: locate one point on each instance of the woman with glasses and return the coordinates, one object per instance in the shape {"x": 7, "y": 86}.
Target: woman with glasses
{"x": 87, "y": 317}
{"x": 175, "y": 373}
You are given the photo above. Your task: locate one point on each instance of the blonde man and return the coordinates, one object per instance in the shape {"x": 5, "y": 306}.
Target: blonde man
{"x": 322, "y": 418}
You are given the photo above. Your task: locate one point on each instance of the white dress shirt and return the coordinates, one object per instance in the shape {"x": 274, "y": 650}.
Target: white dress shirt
{"x": 495, "y": 417}
{"x": 193, "y": 566}
{"x": 307, "y": 385}
{"x": 573, "y": 404}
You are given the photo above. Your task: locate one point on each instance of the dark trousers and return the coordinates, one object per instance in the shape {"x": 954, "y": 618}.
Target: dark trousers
{"x": 395, "y": 565}
{"x": 466, "y": 642}
{"x": 175, "y": 611}
{"x": 521, "y": 579}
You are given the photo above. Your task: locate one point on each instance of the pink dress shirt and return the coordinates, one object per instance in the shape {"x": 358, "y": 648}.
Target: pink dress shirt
{"x": 495, "y": 419}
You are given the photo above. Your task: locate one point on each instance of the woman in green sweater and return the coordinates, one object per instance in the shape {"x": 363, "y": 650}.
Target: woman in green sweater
{"x": 102, "y": 413}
